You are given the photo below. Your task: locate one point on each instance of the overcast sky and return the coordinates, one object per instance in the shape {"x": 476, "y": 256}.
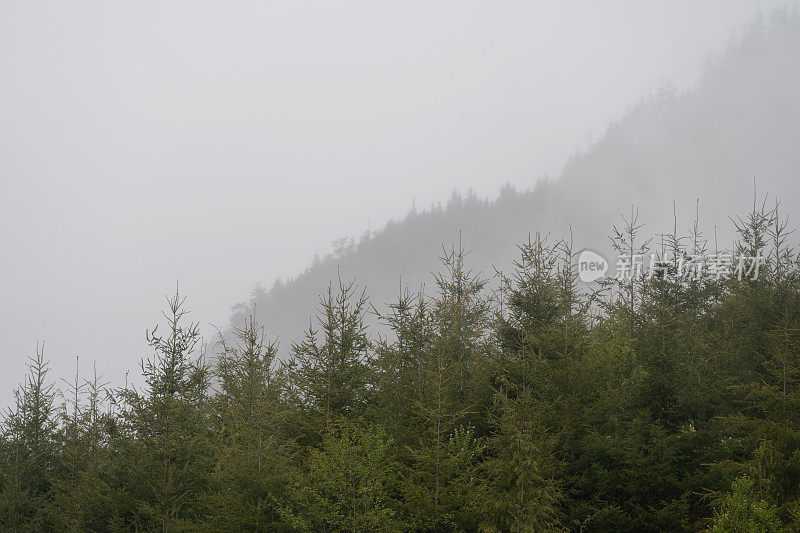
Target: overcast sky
{"x": 225, "y": 143}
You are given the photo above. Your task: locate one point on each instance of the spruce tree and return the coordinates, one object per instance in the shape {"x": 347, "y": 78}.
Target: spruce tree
{"x": 329, "y": 370}
{"x": 520, "y": 491}
{"x": 441, "y": 486}
{"x": 30, "y": 454}
{"x": 164, "y": 443}
{"x": 400, "y": 365}
{"x": 252, "y": 458}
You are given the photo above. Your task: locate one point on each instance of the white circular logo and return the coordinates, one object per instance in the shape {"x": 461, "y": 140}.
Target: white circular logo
{"x": 591, "y": 266}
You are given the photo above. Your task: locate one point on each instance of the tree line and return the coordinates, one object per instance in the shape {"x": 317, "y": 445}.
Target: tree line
{"x": 525, "y": 402}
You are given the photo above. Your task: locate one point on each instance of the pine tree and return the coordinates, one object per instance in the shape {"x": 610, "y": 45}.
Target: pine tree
{"x": 533, "y": 327}
{"x": 252, "y": 453}
{"x": 82, "y": 495}
{"x": 441, "y": 488}
{"x": 401, "y": 367}
{"x": 164, "y": 445}
{"x": 329, "y": 372}
{"x": 30, "y": 449}
{"x": 670, "y": 404}
{"x": 742, "y": 511}
{"x": 461, "y": 315}
{"x": 762, "y": 320}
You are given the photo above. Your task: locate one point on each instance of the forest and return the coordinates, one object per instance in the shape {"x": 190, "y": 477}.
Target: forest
{"x": 741, "y": 121}
{"x": 514, "y": 401}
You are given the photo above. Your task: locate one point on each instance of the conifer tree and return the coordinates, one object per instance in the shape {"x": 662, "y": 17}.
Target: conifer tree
{"x": 165, "y": 447}
{"x": 441, "y": 487}
{"x": 401, "y": 367}
{"x": 82, "y": 495}
{"x": 30, "y": 449}
{"x": 670, "y": 406}
{"x": 627, "y": 243}
{"x": 461, "y": 314}
{"x": 520, "y": 492}
{"x": 328, "y": 371}
{"x": 742, "y": 511}
{"x": 252, "y": 452}
{"x": 761, "y": 317}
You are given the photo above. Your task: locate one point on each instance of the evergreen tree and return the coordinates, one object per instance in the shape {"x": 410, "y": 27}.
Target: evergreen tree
{"x": 347, "y": 483}
{"x": 401, "y": 368}
{"x": 669, "y": 402}
{"x": 30, "y": 451}
{"x": 164, "y": 442}
{"x": 252, "y": 458}
{"x": 329, "y": 370}
{"x": 533, "y": 400}
{"x": 461, "y": 314}
{"x": 440, "y": 488}
{"x": 82, "y": 494}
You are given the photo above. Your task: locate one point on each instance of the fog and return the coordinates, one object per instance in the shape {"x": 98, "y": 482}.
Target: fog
{"x": 224, "y": 144}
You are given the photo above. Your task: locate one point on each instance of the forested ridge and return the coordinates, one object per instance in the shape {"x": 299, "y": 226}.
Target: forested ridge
{"x": 740, "y": 121}
{"x": 664, "y": 403}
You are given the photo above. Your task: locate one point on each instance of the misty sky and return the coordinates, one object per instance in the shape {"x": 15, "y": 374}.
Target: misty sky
{"x": 225, "y": 143}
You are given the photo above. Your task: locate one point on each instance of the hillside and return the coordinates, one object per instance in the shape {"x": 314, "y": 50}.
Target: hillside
{"x": 741, "y": 122}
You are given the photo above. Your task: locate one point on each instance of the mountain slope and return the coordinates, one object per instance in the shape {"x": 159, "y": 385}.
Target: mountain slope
{"x": 742, "y": 121}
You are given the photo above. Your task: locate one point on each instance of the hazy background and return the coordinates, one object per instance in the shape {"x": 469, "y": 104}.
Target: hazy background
{"x": 225, "y": 144}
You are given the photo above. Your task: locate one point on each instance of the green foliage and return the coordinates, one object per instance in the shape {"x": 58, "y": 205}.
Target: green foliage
{"x": 251, "y": 451}
{"x": 164, "y": 435}
{"x": 30, "y": 449}
{"x": 743, "y": 512}
{"x": 666, "y": 404}
{"x": 347, "y": 483}
{"x": 329, "y": 375}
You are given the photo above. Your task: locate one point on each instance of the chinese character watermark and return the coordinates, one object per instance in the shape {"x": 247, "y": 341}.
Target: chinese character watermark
{"x": 718, "y": 266}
